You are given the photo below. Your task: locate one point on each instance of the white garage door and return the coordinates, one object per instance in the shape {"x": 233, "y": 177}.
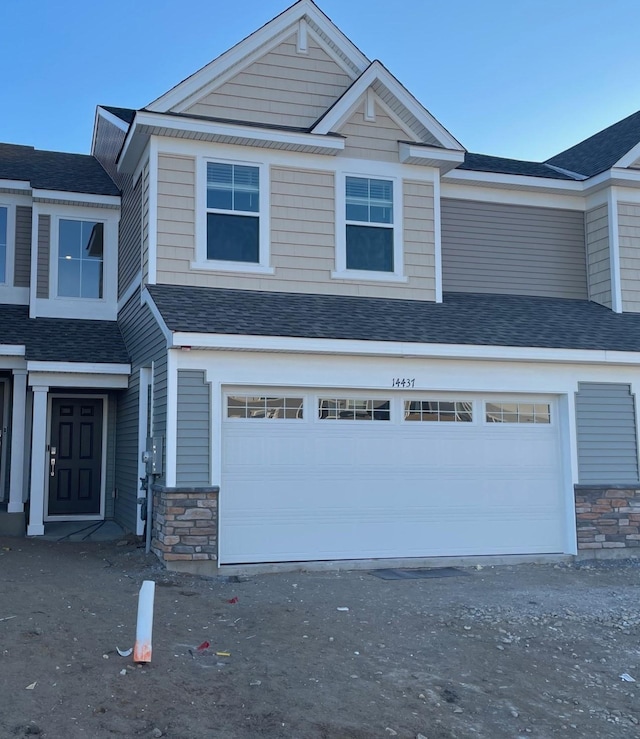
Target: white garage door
{"x": 344, "y": 475}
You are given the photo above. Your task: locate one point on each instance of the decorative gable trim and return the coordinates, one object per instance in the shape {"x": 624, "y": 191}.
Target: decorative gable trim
{"x": 630, "y": 159}
{"x": 259, "y": 43}
{"x": 382, "y": 81}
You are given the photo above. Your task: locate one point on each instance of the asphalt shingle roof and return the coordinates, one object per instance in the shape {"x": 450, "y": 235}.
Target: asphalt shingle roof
{"x": 602, "y": 150}
{"x": 62, "y": 339}
{"x": 486, "y": 163}
{"x": 55, "y": 170}
{"x": 494, "y": 320}
{"x": 124, "y": 114}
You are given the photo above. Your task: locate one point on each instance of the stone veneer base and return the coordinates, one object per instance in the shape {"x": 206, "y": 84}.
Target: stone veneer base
{"x": 608, "y": 521}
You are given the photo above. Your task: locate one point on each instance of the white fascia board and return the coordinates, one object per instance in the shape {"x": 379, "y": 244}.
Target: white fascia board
{"x": 78, "y": 380}
{"x": 82, "y": 198}
{"x": 22, "y": 186}
{"x": 91, "y": 368}
{"x": 12, "y": 350}
{"x": 337, "y": 115}
{"x": 234, "y": 56}
{"x": 401, "y": 349}
{"x": 629, "y": 158}
{"x": 430, "y": 156}
{"x": 493, "y": 179}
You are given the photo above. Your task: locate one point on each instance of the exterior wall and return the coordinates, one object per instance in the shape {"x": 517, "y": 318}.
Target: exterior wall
{"x": 146, "y": 345}
{"x": 607, "y": 518}
{"x": 372, "y": 139}
{"x": 193, "y": 453}
{"x": 606, "y": 434}
{"x": 282, "y": 88}
{"x": 185, "y": 528}
{"x": 110, "y": 477}
{"x": 598, "y": 257}
{"x": 144, "y": 259}
{"x": 512, "y": 249}
{"x": 629, "y": 244}
{"x": 130, "y": 234}
{"x": 108, "y": 142}
{"x": 44, "y": 239}
{"x": 303, "y": 227}
{"x": 22, "y": 266}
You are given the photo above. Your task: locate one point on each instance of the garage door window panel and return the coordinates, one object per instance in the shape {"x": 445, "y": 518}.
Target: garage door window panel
{"x": 520, "y": 413}
{"x": 354, "y": 409}
{"x": 439, "y": 411}
{"x": 250, "y": 407}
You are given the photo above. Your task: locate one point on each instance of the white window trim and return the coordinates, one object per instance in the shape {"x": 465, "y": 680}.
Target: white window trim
{"x": 341, "y": 272}
{"x": 104, "y": 308}
{"x": 262, "y": 266}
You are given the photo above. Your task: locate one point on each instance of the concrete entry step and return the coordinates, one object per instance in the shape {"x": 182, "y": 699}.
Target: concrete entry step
{"x": 12, "y": 524}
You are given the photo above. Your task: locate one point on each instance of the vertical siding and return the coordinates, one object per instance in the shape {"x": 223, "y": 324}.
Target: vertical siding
{"x": 22, "y": 269}
{"x": 146, "y": 344}
{"x": 44, "y": 239}
{"x": 108, "y": 142}
{"x": 372, "y": 139}
{"x": 144, "y": 259}
{"x": 512, "y": 249}
{"x": 281, "y": 88}
{"x": 130, "y": 234}
{"x": 194, "y": 429}
{"x": 606, "y": 434}
{"x": 176, "y": 213}
{"x": 598, "y": 258}
{"x": 629, "y": 240}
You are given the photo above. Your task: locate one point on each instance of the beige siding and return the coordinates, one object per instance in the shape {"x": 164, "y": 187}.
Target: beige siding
{"x": 302, "y": 236}
{"x": 281, "y": 88}
{"x": 44, "y": 240}
{"x": 629, "y": 239}
{"x": 512, "y": 249}
{"x": 372, "y": 139}
{"x": 598, "y": 259}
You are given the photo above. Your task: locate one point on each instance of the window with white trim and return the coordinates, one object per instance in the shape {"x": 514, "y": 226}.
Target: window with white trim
{"x": 438, "y": 411}
{"x": 354, "y": 409}
{"x": 80, "y": 259}
{"x": 369, "y": 224}
{"x": 233, "y": 212}
{"x": 537, "y": 413}
{"x": 261, "y": 407}
{"x": 4, "y": 230}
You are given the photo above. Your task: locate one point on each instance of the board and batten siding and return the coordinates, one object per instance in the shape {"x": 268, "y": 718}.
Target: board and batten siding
{"x": 606, "y": 434}
{"x": 303, "y": 236}
{"x": 130, "y": 234}
{"x": 281, "y": 88}
{"x": 629, "y": 244}
{"x": 44, "y": 241}
{"x": 146, "y": 344}
{"x": 512, "y": 249}
{"x": 22, "y": 264}
{"x": 193, "y": 453}
{"x": 598, "y": 256}
{"x": 372, "y": 139}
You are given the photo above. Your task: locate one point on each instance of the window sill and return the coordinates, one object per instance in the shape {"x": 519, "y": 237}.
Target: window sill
{"x": 219, "y": 266}
{"x": 365, "y": 275}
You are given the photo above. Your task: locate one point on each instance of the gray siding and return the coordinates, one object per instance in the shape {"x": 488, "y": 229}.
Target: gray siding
{"x": 110, "y": 479}
{"x": 513, "y": 249}
{"x": 44, "y": 238}
{"x": 606, "y": 434}
{"x": 130, "y": 234}
{"x": 108, "y": 142}
{"x": 194, "y": 429}
{"x": 22, "y": 268}
{"x": 598, "y": 257}
{"x": 146, "y": 344}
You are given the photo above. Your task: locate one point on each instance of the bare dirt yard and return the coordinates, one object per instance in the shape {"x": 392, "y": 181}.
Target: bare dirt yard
{"x": 499, "y": 652}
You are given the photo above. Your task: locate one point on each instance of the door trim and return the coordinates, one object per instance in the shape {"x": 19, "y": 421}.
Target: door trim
{"x": 5, "y": 429}
{"x": 103, "y": 462}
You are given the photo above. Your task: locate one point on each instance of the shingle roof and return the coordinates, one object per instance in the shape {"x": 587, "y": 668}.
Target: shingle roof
{"x": 485, "y": 163}
{"x": 55, "y": 170}
{"x": 124, "y": 114}
{"x": 602, "y": 150}
{"x": 62, "y": 339}
{"x": 497, "y": 320}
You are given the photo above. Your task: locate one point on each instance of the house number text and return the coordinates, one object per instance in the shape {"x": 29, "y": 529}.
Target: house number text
{"x": 403, "y": 382}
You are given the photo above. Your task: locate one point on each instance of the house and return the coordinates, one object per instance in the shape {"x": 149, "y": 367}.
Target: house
{"x": 348, "y": 337}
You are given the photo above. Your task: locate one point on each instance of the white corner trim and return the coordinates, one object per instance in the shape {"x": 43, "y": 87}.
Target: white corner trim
{"x": 146, "y": 299}
{"x": 171, "y": 451}
{"x": 130, "y": 291}
{"x": 437, "y": 235}
{"x": 614, "y": 251}
{"x": 81, "y": 198}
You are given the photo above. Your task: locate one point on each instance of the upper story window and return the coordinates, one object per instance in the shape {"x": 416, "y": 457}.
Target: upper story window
{"x": 369, "y": 224}
{"x": 4, "y": 220}
{"x": 233, "y": 212}
{"x": 80, "y": 259}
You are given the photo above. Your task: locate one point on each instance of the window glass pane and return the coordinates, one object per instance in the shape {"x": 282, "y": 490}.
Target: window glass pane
{"x": 242, "y": 406}
{"x": 70, "y": 239}
{"x": 232, "y": 238}
{"x": 370, "y": 248}
{"x": 354, "y": 409}
{"x": 368, "y": 200}
{"x": 357, "y": 201}
{"x": 80, "y": 259}
{"x": 245, "y": 189}
{"x": 518, "y": 413}
{"x": 92, "y": 240}
{"x": 91, "y": 278}
{"x": 69, "y": 278}
{"x": 219, "y": 186}
{"x": 438, "y": 410}
{"x": 3, "y": 244}
{"x": 233, "y": 187}
{"x": 381, "y": 196}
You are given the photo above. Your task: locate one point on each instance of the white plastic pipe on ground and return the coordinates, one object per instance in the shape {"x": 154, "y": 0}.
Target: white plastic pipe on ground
{"x": 144, "y": 628}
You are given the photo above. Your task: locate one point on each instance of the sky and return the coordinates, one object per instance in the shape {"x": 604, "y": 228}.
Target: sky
{"x": 517, "y": 78}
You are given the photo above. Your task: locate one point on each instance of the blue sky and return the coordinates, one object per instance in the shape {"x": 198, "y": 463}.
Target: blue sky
{"x": 515, "y": 78}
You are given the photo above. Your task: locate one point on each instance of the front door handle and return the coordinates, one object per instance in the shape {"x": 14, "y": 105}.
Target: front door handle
{"x": 52, "y": 465}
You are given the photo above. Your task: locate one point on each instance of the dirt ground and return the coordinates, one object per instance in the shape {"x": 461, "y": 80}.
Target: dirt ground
{"x": 499, "y": 652}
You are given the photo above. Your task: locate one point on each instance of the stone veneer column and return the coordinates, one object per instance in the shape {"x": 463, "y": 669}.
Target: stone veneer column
{"x": 608, "y": 518}
{"x": 185, "y": 527}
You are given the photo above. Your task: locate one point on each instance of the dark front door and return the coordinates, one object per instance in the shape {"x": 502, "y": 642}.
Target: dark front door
{"x": 75, "y": 456}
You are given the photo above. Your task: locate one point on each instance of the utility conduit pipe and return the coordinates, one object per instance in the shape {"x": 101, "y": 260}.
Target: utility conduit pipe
{"x": 144, "y": 627}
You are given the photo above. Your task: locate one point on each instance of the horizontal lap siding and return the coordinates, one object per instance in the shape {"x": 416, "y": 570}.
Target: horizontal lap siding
{"x": 598, "y": 256}
{"x": 372, "y": 139}
{"x": 512, "y": 249}
{"x": 629, "y": 238}
{"x": 130, "y": 234}
{"x": 606, "y": 434}
{"x": 281, "y": 88}
{"x": 44, "y": 238}
{"x": 22, "y": 268}
{"x": 193, "y": 452}
{"x": 176, "y": 215}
